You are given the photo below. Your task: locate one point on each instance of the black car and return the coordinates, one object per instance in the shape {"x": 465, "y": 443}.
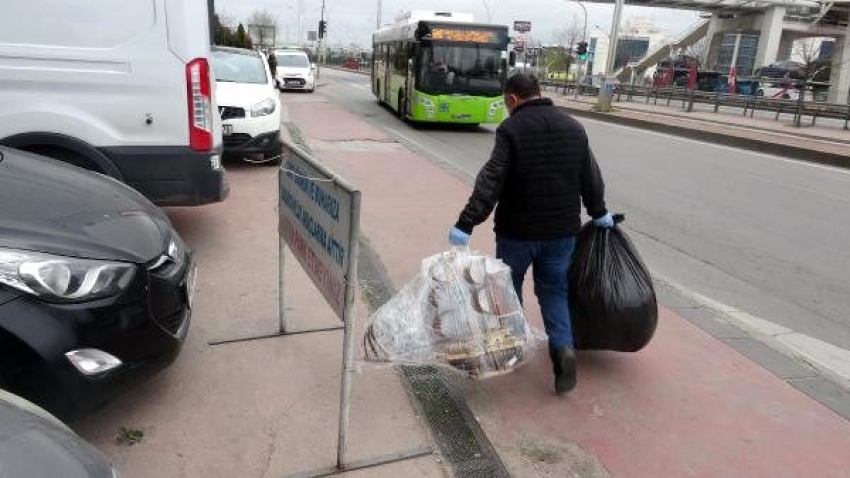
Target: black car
{"x": 34, "y": 443}
{"x": 783, "y": 69}
{"x": 95, "y": 285}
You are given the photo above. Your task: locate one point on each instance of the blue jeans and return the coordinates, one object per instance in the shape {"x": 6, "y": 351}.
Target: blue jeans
{"x": 551, "y": 261}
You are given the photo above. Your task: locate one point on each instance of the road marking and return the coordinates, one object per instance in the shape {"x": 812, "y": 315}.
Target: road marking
{"x": 360, "y": 86}
{"x": 801, "y": 189}
{"x": 832, "y": 361}
{"x": 833, "y": 169}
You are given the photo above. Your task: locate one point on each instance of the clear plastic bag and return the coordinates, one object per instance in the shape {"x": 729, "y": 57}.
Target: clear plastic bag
{"x": 461, "y": 311}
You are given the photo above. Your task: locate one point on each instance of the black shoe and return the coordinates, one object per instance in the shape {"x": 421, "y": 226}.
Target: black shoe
{"x": 564, "y": 365}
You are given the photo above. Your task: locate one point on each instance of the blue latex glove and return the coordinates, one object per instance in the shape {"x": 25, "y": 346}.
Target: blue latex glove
{"x": 458, "y": 237}
{"x": 605, "y": 221}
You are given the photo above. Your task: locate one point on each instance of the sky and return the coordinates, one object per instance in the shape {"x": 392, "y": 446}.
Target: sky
{"x": 354, "y": 21}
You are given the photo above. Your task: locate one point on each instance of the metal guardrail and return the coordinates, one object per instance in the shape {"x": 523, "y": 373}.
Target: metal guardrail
{"x": 750, "y": 104}
{"x": 340, "y": 64}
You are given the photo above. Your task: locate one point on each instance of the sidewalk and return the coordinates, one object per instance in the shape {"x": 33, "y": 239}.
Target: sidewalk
{"x": 688, "y": 405}
{"x": 262, "y": 408}
{"x": 822, "y": 143}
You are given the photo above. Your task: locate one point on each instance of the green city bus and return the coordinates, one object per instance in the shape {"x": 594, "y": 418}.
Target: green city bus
{"x": 442, "y": 71}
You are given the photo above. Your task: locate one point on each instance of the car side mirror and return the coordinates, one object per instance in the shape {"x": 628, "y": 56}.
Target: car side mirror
{"x": 313, "y": 66}
{"x": 512, "y": 59}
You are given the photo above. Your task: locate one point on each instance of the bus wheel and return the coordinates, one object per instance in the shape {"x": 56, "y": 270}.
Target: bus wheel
{"x": 401, "y": 107}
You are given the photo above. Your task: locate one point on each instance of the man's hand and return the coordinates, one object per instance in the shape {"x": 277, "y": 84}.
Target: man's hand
{"x": 458, "y": 237}
{"x": 604, "y": 221}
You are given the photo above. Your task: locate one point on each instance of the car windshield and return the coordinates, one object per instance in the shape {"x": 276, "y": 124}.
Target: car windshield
{"x": 468, "y": 69}
{"x": 293, "y": 61}
{"x": 238, "y": 67}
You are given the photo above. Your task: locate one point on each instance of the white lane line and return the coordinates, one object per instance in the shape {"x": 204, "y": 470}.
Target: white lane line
{"x": 801, "y": 189}
{"x": 360, "y": 86}
{"x": 719, "y": 146}
{"x": 830, "y": 360}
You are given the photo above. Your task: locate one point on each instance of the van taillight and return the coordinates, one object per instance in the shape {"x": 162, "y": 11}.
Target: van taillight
{"x": 200, "y": 105}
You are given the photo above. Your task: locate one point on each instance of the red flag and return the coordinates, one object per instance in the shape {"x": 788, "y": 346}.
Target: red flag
{"x": 692, "y": 78}
{"x": 732, "y": 87}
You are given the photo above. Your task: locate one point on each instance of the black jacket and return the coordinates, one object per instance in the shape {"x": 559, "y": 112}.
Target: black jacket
{"x": 540, "y": 170}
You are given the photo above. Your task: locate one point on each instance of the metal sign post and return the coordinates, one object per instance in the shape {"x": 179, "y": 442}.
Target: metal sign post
{"x": 319, "y": 219}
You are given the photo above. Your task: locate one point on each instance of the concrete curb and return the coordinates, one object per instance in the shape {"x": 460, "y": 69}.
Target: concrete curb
{"x": 753, "y": 144}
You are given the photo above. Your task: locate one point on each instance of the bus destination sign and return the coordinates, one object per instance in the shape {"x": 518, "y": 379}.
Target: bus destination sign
{"x": 464, "y": 35}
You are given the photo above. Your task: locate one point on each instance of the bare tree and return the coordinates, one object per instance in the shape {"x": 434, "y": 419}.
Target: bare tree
{"x": 567, "y": 39}
{"x": 263, "y": 25}
{"x": 807, "y": 51}
{"x": 698, "y": 50}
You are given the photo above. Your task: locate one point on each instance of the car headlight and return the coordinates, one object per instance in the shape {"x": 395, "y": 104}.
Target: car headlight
{"x": 63, "y": 279}
{"x": 263, "y": 108}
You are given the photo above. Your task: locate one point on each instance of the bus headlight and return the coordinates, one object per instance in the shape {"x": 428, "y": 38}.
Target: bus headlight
{"x": 428, "y": 104}
{"x": 496, "y": 106}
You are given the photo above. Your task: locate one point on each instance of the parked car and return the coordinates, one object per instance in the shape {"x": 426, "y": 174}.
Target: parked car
{"x": 778, "y": 91}
{"x": 95, "y": 285}
{"x": 249, "y": 104}
{"x": 783, "y": 69}
{"x": 294, "y": 71}
{"x": 351, "y": 63}
{"x": 35, "y": 443}
{"x": 122, "y": 88}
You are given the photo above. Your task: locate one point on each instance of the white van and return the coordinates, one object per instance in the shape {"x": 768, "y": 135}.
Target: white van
{"x": 123, "y": 88}
{"x": 295, "y": 71}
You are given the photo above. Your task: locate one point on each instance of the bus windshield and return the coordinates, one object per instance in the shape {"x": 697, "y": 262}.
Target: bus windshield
{"x": 461, "y": 69}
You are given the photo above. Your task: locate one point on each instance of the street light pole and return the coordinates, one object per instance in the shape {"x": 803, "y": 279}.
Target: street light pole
{"x": 487, "y": 8}
{"x": 321, "y": 43}
{"x": 584, "y": 30}
{"x": 378, "y": 19}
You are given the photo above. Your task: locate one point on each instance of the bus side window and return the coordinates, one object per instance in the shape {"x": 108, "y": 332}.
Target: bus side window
{"x": 402, "y": 57}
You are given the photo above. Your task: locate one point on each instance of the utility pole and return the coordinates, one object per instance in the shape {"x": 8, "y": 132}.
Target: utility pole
{"x": 487, "y": 8}
{"x": 322, "y": 34}
{"x": 300, "y": 22}
{"x": 603, "y": 101}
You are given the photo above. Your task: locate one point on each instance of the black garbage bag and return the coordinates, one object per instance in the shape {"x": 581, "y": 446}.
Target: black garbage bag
{"x": 612, "y": 300}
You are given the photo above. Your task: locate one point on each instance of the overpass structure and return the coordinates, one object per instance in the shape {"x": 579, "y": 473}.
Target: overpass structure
{"x": 770, "y": 28}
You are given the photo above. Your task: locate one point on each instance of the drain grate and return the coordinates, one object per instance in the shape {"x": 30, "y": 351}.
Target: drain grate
{"x": 462, "y": 442}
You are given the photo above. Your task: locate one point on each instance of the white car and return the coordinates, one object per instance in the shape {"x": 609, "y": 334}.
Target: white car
{"x": 294, "y": 71}
{"x": 248, "y": 103}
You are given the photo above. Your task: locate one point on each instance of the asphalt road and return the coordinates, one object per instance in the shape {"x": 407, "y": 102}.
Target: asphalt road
{"x": 760, "y": 233}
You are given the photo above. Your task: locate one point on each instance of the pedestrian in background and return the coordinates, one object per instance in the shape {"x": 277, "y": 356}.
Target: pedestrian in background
{"x": 272, "y": 59}
{"x": 540, "y": 171}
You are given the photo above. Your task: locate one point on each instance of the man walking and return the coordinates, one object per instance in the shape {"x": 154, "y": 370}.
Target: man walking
{"x": 272, "y": 59}
{"x": 540, "y": 171}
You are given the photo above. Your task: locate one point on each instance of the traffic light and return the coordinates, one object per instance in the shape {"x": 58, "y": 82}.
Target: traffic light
{"x": 581, "y": 51}
{"x": 323, "y": 25}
